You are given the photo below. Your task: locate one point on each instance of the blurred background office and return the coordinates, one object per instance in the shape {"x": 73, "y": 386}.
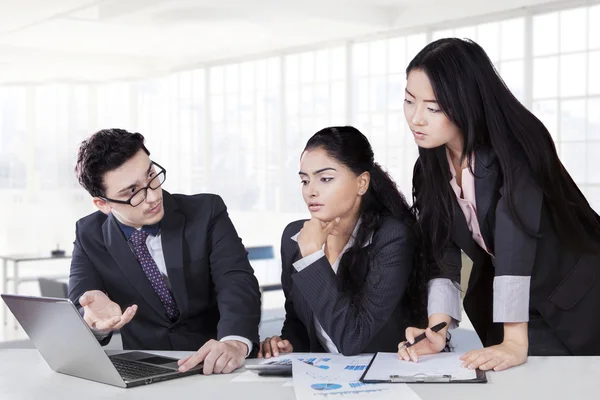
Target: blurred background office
{"x": 227, "y": 93}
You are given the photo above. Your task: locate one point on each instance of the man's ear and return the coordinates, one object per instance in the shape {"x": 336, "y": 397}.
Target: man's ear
{"x": 101, "y": 205}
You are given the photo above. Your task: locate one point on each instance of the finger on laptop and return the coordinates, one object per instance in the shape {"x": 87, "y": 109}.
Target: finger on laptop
{"x": 196, "y": 358}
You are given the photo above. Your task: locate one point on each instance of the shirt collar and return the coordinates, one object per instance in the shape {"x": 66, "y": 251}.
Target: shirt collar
{"x": 128, "y": 230}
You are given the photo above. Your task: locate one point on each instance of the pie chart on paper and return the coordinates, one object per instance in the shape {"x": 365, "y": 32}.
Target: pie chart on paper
{"x": 326, "y": 386}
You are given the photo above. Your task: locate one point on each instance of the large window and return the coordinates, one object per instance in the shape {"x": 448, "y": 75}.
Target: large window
{"x": 13, "y": 138}
{"x": 504, "y": 42}
{"x": 245, "y": 132}
{"x": 566, "y": 90}
{"x": 378, "y": 82}
{"x": 238, "y": 129}
{"x": 315, "y": 98}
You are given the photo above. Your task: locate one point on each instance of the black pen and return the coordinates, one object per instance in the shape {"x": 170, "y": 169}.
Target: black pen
{"x": 422, "y": 336}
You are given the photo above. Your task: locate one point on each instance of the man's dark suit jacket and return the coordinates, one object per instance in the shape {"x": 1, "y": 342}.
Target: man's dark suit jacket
{"x": 374, "y": 321}
{"x": 211, "y": 279}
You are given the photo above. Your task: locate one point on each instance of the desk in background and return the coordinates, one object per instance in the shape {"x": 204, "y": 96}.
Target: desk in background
{"x": 17, "y": 279}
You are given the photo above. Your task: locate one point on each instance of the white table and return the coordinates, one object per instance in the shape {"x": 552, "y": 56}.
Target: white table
{"x": 25, "y": 375}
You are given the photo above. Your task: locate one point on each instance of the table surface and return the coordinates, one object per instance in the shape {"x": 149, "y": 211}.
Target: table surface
{"x": 25, "y": 375}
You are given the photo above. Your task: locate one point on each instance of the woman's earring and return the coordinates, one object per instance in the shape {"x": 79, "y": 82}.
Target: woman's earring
{"x": 361, "y": 192}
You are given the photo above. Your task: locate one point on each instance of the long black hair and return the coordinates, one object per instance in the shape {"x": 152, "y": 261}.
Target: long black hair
{"x": 350, "y": 147}
{"x": 472, "y": 95}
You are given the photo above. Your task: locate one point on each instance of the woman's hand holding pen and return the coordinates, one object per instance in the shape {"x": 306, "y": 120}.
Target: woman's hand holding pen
{"x": 314, "y": 234}
{"x": 433, "y": 343}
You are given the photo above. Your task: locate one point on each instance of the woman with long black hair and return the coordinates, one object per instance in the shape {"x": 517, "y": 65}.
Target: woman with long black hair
{"x": 348, "y": 273}
{"x": 489, "y": 182}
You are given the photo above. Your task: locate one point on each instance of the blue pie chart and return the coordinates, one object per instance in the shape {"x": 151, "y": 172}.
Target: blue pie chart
{"x": 326, "y": 386}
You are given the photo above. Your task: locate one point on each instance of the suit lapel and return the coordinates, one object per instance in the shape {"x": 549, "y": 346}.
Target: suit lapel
{"x": 120, "y": 251}
{"x": 460, "y": 231}
{"x": 486, "y": 179}
{"x": 172, "y": 231}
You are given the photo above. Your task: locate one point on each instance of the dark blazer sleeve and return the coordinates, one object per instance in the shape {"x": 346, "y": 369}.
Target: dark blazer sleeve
{"x": 83, "y": 277}
{"x": 293, "y": 328}
{"x": 238, "y": 296}
{"x": 514, "y": 248}
{"x": 351, "y": 326}
{"x": 451, "y": 257}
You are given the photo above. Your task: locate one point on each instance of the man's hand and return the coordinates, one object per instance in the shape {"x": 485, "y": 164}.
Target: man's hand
{"x": 273, "y": 346}
{"x": 102, "y": 314}
{"x": 219, "y": 357}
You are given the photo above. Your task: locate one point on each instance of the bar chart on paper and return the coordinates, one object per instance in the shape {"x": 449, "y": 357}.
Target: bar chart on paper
{"x": 356, "y": 365}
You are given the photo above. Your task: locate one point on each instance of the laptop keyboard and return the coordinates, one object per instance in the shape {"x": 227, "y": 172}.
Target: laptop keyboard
{"x": 130, "y": 370}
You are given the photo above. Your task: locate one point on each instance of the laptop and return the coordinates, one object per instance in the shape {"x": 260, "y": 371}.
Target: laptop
{"x": 68, "y": 345}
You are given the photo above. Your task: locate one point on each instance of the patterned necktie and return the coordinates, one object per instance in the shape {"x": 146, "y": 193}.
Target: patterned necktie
{"x": 138, "y": 239}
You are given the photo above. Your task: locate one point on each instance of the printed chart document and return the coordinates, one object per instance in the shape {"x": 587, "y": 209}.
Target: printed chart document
{"x": 334, "y": 376}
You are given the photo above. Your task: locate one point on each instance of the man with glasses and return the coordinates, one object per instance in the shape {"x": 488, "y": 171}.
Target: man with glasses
{"x": 168, "y": 270}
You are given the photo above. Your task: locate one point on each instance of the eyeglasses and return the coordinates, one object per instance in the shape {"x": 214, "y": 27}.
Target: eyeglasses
{"x": 138, "y": 197}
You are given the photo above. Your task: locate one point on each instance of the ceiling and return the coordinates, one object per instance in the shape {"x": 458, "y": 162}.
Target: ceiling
{"x": 97, "y": 40}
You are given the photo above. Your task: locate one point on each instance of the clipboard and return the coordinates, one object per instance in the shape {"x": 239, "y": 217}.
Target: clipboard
{"x": 418, "y": 377}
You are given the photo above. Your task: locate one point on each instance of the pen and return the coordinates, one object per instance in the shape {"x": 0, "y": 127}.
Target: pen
{"x": 422, "y": 336}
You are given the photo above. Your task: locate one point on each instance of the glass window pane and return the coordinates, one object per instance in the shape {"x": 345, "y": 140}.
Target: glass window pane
{"x": 547, "y": 112}
{"x": 593, "y": 197}
{"x": 545, "y": 34}
{"x": 378, "y": 100}
{"x": 338, "y": 63}
{"x": 572, "y": 120}
{"x": 442, "y": 34}
{"x": 307, "y": 67}
{"x": 545, "y": 79}
{"x": 274, "y": 74}
{"x": 593, "y": 120}
{"x": 414, "y": 44}
{"x": 360, "y": 59}
{"x": 322, "y": 99}
{"x": 594, "y": 31}
{"x": 216, "y": 79}
{"x": 572, "y": 75}
{"x": 217, "y": 108}
{"x": 573, "y": 156}
{"x": 377, "y": 57}
{"x": 467, "y": 32}
{"x": 513, "y": 73}
{"x": 247, "y": 79}
{"x": 322, "y": 66}
{"x": 593, "y": 165}
{"x": 338, "y": 98}
{"x": 396, "y": 129}
{"x": 292, "y": 71}
{"x": 573, "y": 28}
{"x": 307, "y": 100}
{"x": 361, "y": 93}
{"x": 396, "y": 55}
{"x": 396, "y": 85}
{"x": 513, "y": 39}
{"x": 292, "y": 101}
{"x": 594, "y": 72}
{"x": 232, "y": 78}
{"x": 488, "y": 37}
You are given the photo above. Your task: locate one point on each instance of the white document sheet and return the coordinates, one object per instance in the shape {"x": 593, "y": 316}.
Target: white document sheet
{"x": 388, "y": 364}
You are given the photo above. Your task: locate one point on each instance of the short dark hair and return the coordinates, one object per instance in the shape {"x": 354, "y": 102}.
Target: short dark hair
{"x": 104, "y": 151}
